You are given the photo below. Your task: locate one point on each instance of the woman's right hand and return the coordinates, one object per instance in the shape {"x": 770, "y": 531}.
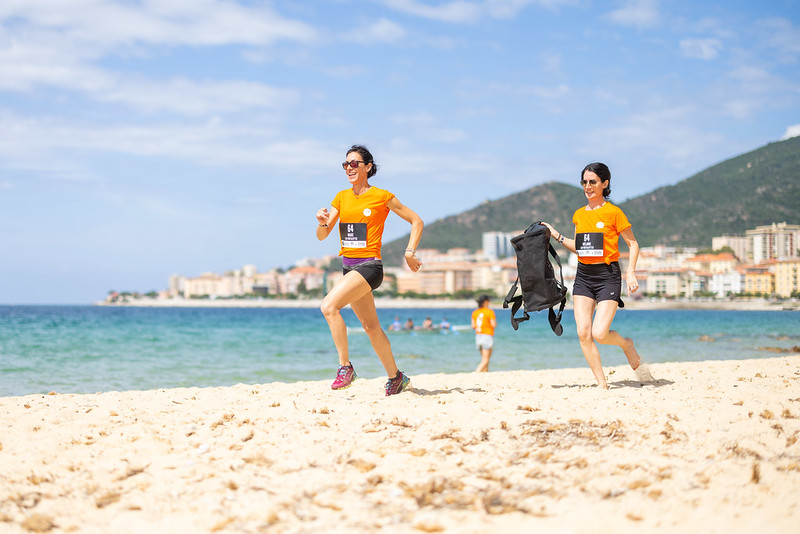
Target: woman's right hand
{"x": 552, "y": 230}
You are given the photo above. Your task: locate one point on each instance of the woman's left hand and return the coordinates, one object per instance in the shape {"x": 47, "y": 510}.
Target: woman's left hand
{"x": 413, "y": 261}
{"x": 633, "y": 285}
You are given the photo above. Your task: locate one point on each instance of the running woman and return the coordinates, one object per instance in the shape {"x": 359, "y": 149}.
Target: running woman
{"x": 598, "y": 281}
{"x": 361, "y": 211}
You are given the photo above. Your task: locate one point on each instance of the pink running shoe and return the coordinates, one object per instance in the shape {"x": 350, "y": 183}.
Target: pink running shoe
{"x": 397, "y": 384}
{"x": 344, "y": 377}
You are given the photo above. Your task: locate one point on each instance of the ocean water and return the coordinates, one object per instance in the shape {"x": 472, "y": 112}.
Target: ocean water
{"x": 87, "y": 349}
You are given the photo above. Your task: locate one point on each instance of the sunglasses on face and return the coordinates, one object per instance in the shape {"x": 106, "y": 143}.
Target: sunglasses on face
{"x": 352, "y": 164}
{"x": 589, "y": 182}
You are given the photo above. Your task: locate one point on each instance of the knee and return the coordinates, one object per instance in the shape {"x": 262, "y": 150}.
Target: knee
{"x": 371, "y": 327}
{"x": 584, "y": 334}
{"x": 328, "y": 309}
{"x": 600, "y": 334}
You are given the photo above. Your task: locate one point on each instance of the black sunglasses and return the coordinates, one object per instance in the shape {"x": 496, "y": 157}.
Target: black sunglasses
{"x": 352, "y": 164}
{"x": 589, "y": 182}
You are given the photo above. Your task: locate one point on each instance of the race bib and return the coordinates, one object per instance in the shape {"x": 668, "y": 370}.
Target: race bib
{"x": 589, "y": 244}
{"x": 353, "y": 235}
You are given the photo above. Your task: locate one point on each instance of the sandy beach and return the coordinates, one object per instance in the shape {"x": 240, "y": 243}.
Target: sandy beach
{"x": 705, "y": 447}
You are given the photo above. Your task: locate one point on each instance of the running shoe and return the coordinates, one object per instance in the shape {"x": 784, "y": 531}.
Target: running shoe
{"x": 397, "y": 384}
{"x": 344, "y": 377}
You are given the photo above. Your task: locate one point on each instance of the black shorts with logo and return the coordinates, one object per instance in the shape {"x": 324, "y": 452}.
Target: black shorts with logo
{"x": 599, "y": 281}
{"x": 371, "y": 270}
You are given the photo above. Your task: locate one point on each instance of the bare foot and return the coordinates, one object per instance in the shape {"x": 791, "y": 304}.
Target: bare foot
{"x": 630, "y": 352}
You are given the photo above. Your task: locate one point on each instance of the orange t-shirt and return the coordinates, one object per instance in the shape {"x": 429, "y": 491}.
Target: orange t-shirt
{"x": 597, "y": 233}
{"x": 482, "y": 319}
{"x": 361, "y": 220}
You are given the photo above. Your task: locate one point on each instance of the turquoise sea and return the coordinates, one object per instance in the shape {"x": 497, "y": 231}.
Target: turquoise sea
{"x": 88, "y": 349}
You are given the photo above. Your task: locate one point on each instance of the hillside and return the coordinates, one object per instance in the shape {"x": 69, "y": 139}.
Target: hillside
{"x": 760, "y": 187}
{"x": 509, "y": 214}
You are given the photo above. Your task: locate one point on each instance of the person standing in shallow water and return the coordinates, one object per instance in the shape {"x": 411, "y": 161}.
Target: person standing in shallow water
{"x": 596, "y": 294}
{"x": 484, "y": 322}
{"x": 361, "y": 211}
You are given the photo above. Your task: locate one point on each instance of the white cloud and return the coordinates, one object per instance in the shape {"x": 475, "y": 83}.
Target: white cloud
{"x": 701, "y": 48}
{"x": 462, "y": 11}
{"x": 25, "y": 67}
{"x": 198, "y": 98}
{"x": 791, "y": 131}
{"x": 106, "y": 23}
{"x": 382, "y": 31}
{"x": 662, "y": 133}
{"x": 52, "y": 145}
{"x": 781, "y": 35}
{"x": 637, "y": 13}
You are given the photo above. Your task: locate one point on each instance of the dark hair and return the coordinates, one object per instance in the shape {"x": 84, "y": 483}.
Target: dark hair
{"x": 366, "y": 155}
{"x": 602, "y": 172}
{"x": 482, "y": 299}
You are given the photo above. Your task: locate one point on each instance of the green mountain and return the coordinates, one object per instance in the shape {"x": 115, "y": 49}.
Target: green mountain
{"x": 760, "y": 187}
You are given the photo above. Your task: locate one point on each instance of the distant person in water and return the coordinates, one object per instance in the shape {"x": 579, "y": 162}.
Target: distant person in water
{"x": 396, "y": 324}
{"x": 597, "y": 292}
{"x": 484, "y": 322}
{"x": 427, "y": 324}
{"x": 361, "y": 211}
{"x": 409, "y": 324}
{"x": 445, "y": 324}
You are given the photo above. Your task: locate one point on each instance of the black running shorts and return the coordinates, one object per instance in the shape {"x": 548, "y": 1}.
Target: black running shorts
{"x": 599, "y": 281}
{"x": 372, "y": 271}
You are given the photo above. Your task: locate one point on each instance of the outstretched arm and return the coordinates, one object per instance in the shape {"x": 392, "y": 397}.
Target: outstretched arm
{"x": 568, "y": 243}
{"x": 417, "y": 225}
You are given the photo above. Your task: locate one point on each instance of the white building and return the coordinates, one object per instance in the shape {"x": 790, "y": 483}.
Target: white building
{"x": 497, "y": 245}
{"x": 778, "y": 241}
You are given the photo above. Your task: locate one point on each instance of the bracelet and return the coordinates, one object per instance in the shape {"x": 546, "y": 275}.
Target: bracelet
{"x": 561, "y": 239}
{"x": 412, "y": 250}
{"x": 323, "y": 225}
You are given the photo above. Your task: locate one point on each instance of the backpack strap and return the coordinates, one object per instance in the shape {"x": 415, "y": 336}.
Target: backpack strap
{"x": 516, "y": 303}
{"x": 555, "y": 319}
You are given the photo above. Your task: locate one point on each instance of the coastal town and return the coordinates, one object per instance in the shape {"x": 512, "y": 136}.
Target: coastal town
{"x": 764, "y": 262}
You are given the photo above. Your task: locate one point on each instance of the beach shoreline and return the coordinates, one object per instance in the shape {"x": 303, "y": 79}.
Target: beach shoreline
{"x": 400, "y": 303}
{"x": 711, "y": 446}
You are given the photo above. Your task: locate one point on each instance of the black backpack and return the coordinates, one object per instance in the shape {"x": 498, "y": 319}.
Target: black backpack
{"x": 536, "y": 278}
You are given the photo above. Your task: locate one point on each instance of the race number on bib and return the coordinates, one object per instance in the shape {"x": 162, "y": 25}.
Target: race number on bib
{"x": 354, "y": 235}
{"x": 589, "y": 244}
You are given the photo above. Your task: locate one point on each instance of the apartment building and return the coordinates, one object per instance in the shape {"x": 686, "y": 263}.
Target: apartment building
{"x": 777, "y": 241}
{"x": 787, "y": 277}
{"x": 759, "y": 279}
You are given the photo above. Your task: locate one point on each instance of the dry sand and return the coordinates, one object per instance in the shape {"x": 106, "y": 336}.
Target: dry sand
{"x": 707, "y": 447}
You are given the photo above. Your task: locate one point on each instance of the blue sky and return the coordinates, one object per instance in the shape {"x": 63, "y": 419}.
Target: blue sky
{"x": 140, "y": 139}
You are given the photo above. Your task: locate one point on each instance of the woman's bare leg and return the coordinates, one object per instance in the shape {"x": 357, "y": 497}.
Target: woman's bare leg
{"x": 486, "y": 355}
{"x": 350, "y": 288}
{"x": 364, "y": 309}
{"x": 601, "y": 332}
{"x": 583, "y": 308}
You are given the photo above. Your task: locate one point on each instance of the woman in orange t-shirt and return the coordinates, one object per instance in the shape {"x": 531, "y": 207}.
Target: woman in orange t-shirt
{"x": 361, "y": 211}
{"x": 598, "y": 281}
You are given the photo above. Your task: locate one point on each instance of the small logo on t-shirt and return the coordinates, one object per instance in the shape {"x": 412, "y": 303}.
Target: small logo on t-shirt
{"x": 600, "y": 224}
{"x": 367, "y": 212}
